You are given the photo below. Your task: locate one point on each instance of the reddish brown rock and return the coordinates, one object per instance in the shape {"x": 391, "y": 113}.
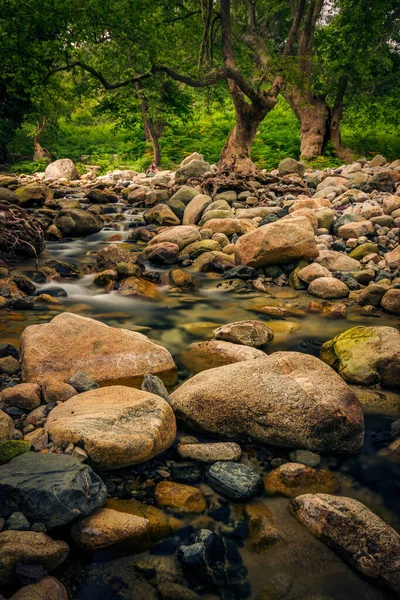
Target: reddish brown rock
{"x": 277, "y": 243}
{"x": 55, "y": 351}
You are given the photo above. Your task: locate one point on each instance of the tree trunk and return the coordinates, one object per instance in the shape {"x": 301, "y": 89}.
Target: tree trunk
{"x": 313, "y": 122}
{"x": 335, "y": 137}
{"x": 235, "y": 154}
{"x": 313, "y": 114}
{"x": 149, "y": 129}
{"x": 40, "y": 153}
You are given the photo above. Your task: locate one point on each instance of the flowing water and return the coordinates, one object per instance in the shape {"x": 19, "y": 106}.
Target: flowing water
{"x": 302, "y": 566}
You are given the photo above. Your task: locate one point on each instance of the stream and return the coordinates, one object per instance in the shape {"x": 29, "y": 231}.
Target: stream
{"x": 301, "y": 567}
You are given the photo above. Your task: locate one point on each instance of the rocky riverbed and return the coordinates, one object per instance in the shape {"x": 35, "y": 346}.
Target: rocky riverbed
{"x": 199, "y": 382}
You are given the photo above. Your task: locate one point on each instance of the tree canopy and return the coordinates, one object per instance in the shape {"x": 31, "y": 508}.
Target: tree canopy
{"x": 141, "y": 59}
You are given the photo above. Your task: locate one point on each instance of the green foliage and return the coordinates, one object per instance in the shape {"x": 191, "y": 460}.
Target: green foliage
{"x": 89, "y": 138}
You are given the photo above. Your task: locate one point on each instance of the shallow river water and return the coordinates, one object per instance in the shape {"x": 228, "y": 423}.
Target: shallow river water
{"x": 301, "y": 567}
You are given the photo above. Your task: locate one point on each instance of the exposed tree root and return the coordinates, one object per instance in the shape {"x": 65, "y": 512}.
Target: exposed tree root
{"x": 20, "y": 234}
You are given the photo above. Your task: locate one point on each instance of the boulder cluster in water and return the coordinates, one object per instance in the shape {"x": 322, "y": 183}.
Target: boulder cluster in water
{"x": 88, "y": 428}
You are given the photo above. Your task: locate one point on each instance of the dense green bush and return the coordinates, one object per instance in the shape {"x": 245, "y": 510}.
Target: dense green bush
{"x": 89, "y": 138}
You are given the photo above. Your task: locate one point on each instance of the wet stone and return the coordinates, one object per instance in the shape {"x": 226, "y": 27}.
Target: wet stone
{"x": 236, "y": 481}
{"x": 215, "y": 560}
{"x": 17, "y": 522}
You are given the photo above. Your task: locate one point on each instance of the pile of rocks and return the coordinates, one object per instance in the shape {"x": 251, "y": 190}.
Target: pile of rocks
{"x": 88, "y": 430}
{"x": 334, "y": 232}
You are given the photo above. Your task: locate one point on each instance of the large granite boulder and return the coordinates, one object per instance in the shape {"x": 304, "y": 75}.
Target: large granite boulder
{"x": 70, "y": 343}
{"x": 64, "y": 168}
{"x": 277, "y": 243}
{"x": 365, "y": 355}
{"x": 52, "y": 489}
{"x": 28, "y": 548}
{"x": 75, "y": 222}
{"x": 285, "y": 399}
{"x": 359, "y": 536}
{"x": 118, "y": 426}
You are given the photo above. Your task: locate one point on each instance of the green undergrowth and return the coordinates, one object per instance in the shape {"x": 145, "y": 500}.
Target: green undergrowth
{"x": 94, "y": 140}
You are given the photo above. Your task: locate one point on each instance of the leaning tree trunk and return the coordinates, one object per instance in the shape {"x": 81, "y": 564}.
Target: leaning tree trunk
{"x": 235, "y": 154}
{"x": 345, "y": 154}
{"x": 149, "y": 129}
{"x": 40, "y": 153}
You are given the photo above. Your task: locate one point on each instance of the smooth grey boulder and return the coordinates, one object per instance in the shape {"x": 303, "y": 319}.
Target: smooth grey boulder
{"x": 64, "y": 168}
{"x": 52, "y": 489}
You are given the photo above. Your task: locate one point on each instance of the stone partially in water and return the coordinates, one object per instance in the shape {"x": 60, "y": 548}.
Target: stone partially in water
{"x": 359, "y": 536}
{"x": 391, "y": 301}
{"x": 133, "y": 286}
{"x": 179, "y": 497}
{"x": 328, "y": 288}
{"x": 236, "y": 481}
{"x": 55, "y": 351}
{"x": 209, "y": 557}
{"x": 76, "y": 222}
{"x": 207, "y": 355}
{"x": 181, "y": 235}
{"x": 107, "y": 527}
{"x": 28, "y": 547}
{"x": 248, "y": 333}
{"x": 118, "y": 426}
{"x": 51, "y": 489}
{"x": 285, "y": 399}
{"x": 161, "y": 524}
{"x": 293, "y": 479}
{"x": 365, "y": 355}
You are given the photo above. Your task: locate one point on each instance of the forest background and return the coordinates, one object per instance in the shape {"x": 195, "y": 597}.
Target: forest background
{"x": 63, "y": 90}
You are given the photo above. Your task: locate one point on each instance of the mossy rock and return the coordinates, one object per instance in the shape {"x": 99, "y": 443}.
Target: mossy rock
{"x": 365, "y": 355}
{"x": 12, "y": 448}
{"x": 294, "y": 479}
{"x": 363, "y": 250}
{"x": 294, "y": 281}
